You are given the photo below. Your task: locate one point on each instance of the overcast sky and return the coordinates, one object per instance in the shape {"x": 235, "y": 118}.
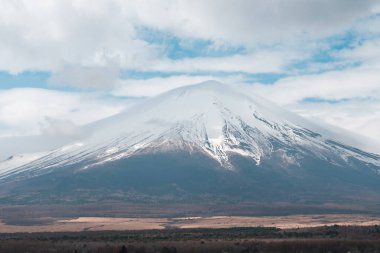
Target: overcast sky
{"x": 67, "y": 63}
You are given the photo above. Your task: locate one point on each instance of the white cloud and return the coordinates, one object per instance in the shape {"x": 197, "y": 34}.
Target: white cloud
{"x": 251, "y": 21}
{"x": 102, "y": 76}
{"x": 357, "y": 116}
{"x": 357, "y": 89}
{"x": 28, "y": 111}
{"x": 86, "y": 77}
{"x": 59, "y": 127}
{"x": 274, "y": 60}
{"x": 335, "y": 85}
{"x": 157, "y": 85}
{"x": 367, "y": 53}
{"x": 51, "y": 35}
{"x": 47, "y": 35}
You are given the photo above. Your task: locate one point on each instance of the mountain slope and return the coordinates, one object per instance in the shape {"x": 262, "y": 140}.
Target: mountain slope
{"x": 203, "y": 141}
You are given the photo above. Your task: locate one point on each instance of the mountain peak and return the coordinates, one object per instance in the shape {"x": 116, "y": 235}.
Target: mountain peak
{"x": 207, "y": 87}
{"x": 208, "y": 84}
{"x": 205, "y": 129}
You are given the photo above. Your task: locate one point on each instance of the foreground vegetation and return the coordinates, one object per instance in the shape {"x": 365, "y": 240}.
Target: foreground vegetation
{"x": 334, "y": 239}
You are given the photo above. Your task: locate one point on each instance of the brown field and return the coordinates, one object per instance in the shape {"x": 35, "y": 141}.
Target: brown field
{"x": 119, "y": 224}
{"x": 333, "y": 239}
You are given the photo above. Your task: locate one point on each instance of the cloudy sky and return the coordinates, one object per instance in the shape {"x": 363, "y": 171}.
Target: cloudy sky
{"x": 67, "y": 63}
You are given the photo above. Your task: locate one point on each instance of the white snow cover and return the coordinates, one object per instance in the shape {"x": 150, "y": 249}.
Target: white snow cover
{"x": 16, "y": 161}
{"x": 209, "y": 117}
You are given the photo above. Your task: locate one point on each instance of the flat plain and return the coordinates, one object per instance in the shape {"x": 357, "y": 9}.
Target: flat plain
{"x": 214, "y": 222}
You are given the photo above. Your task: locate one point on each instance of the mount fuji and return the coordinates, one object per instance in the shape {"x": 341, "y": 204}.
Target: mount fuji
{"x": 204, "y": 142}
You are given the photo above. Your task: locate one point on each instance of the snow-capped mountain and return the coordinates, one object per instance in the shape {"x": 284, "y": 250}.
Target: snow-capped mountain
{"x": 208, "y": 127}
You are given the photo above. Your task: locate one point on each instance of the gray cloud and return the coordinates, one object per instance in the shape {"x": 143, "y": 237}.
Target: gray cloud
{"x": 59, "y": 127}
{"x": 78, "y": 32}
{"x": 246, "y": 21}
{"x": 85, "y": 77}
